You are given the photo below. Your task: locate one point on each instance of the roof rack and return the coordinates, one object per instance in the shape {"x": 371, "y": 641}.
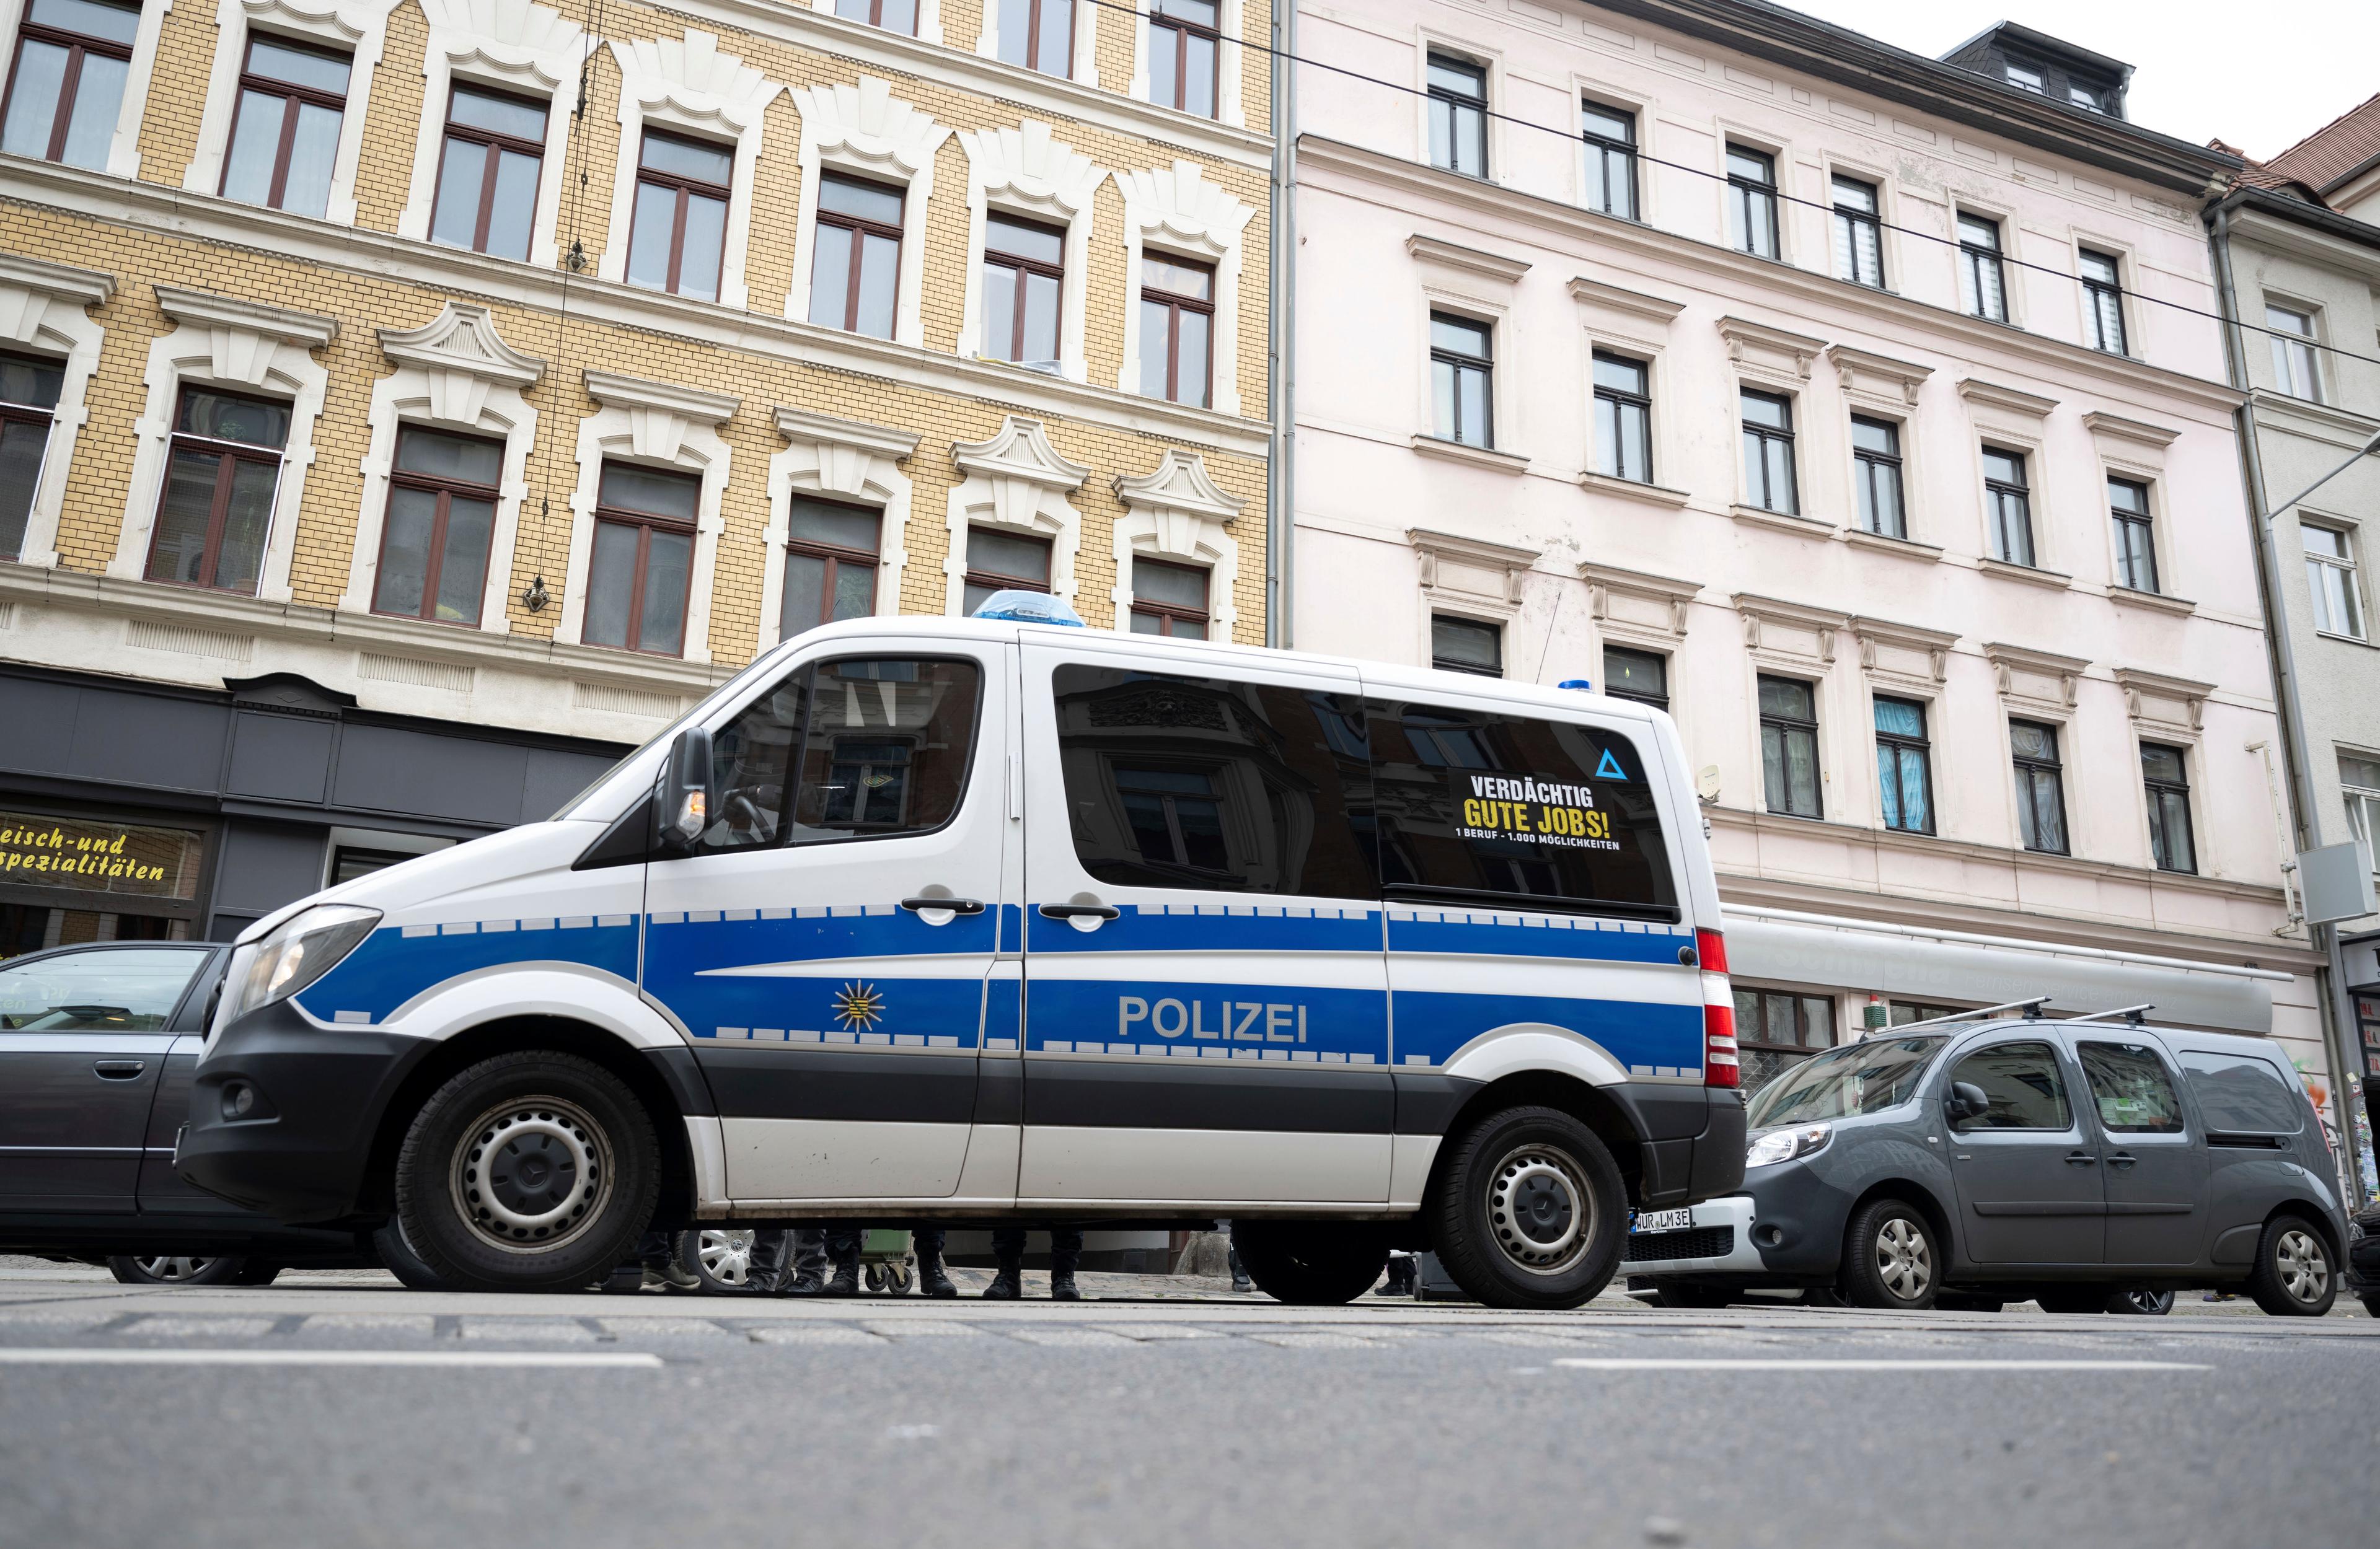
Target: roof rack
{"x": 2129, "y": 1013}
{"x": 2029, "y": 1007}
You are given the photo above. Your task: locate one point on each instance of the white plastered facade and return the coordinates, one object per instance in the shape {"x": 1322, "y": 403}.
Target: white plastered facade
{"x": 357, "y": 28}
{"x": 514, "y": 45}
{"x": 838, "y": 460}
{"x": 866, "y": 130}
{"x": 1174, "y": 211}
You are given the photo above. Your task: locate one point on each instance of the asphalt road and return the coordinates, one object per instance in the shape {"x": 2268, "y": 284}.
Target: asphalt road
{"x": 341, "y": 1409}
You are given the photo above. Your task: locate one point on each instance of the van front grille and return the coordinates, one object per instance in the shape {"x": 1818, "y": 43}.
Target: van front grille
{"x": 1662, "y": 1247}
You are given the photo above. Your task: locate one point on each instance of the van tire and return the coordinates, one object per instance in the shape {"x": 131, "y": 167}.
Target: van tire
{"x": 1891, "y": 1258}
{"x": 1567, "y": 1182}
{"x": 396, "y": 1257}
{"x": 2296, "y": 1273}
{"x": 1311, "y": 1264}
{"x": 587, "y": 1175}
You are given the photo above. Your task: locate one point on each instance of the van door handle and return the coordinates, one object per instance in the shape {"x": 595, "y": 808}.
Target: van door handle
{"x": 948, "y": 905}
{"x": 1078, "y": 911}
{"x": 120, "y": 1070}
{"x": 2080, "y": 1158}
{"x": 2120, "y": 1158}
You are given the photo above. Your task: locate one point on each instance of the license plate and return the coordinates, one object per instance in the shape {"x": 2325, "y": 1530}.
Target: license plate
{"x": 1662, "y": 1220}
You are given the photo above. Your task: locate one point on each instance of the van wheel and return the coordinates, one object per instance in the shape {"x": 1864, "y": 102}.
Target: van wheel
{"x": 396, "y": 1257}
{"x": 2293, "y": 1277}
{"x": 1529, "y": 1210}
{"x": 1311, "y": 1264}
{"x": 1890, "y": 1259}
{"x": 527, "y": 1172}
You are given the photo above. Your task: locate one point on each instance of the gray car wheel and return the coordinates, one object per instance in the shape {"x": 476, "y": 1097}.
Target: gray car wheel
{"x": 2295, "y": 1276}
{"x": 1889, "y": 1259}
{"x": 720, "y": 1257}
{"x": 162, "y": 1269}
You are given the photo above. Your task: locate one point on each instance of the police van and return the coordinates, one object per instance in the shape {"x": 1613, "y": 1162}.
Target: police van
{"x": 984, "y": 919}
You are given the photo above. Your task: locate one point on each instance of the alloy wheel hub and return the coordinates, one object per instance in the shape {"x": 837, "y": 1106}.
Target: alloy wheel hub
{"x": 2304, "y": 1269}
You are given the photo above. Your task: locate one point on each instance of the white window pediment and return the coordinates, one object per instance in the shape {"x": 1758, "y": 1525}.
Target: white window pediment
{"x": 249, "y": 344}
{"x": 866, "y": 129}
{"x": 42, "y": 305}
{"x": 1027, "y": 170}
{"x": 664, "y": 422}
{"x": 685, "y": 83}
{"x": 846, "y": 460}
{"x": 1176, "y": 511}
{"x": 46, "y": 308}
{"x": 517, "y": 45}
{"x": 1176, "y": 210}
{"x": 1015, "y": 479}
{"x": 460, "y": 356}
{"x": 356, "y": 28}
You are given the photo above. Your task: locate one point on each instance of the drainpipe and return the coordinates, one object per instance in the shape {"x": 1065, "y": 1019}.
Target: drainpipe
{"x": 1281, "y": 482}
{"x": 2339, "y": 1040}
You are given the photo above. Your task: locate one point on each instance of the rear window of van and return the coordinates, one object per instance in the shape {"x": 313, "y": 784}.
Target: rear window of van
{"x": 2243, "y": 1093}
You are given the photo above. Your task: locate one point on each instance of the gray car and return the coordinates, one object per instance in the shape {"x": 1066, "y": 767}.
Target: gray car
{"x": 2087, "y": 1163}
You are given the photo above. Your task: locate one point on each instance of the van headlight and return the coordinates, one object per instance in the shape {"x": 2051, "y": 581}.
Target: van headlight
{"x": 1787, "y": 1145}
{"x": 307, "y": 946}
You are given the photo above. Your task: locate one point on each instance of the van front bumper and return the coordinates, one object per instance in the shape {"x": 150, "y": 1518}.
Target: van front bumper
{"x": 301, "y": 1151}
{"x": 1719, "y": 1242}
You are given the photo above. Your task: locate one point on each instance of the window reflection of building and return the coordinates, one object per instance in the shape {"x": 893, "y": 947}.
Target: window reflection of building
{"x": 1174, "y": 815}
{"x": 868, "y": 784}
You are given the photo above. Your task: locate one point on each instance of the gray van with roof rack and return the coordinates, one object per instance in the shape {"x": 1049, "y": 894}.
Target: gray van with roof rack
{"x": 2091, "y": 1164}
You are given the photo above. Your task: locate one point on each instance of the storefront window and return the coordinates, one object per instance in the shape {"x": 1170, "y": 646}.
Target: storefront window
{"x": 68, "y": 880}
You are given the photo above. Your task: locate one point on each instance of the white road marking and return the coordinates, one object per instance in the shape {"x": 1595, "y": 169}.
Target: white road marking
{"x": 526, "y": 1328}
{"x": 1688, "y": 1364}
{"x": 581, "y": 1359}
{"x": 199, "y": 1328}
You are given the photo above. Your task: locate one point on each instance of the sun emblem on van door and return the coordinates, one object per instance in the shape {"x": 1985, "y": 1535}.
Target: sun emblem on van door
{"x": 858, "y": 1006}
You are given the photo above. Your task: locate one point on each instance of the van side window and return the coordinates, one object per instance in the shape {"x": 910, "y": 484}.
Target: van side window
{"x": 1215, "y": 784}
{"x": 2129, "y": 1083}
{"x": 2243, "y": 1095}
{"x": 749, "y": 760}
{"x": 2026, "y": 1088}
{"x": 1508, "y": 809}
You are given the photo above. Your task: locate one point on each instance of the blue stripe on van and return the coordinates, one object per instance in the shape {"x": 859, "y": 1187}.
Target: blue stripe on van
{"x": 1538, "y": 935}
{"x": 1213, "y": 928}
{"x": 1648, "y": 1039}
{"x": 396, "y": 963}
{"x": 1157, "y": 1018}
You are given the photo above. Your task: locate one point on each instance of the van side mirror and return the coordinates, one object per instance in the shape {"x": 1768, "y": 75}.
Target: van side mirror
{"x": 681, "y": 806}
{"x": 1966, "y": 1101}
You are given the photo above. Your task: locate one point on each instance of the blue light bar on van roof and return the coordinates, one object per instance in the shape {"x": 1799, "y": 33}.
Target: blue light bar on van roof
{"x": 1585, "y": 686}
{"x": 1024, "y": 607}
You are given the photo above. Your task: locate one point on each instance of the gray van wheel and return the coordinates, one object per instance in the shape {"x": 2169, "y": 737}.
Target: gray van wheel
{"x": 533, "y": 1171}
{"x": 2293, "y": 1277}
{"x": 1889, "y": 1258}
{"x": 1528, "y": 1210}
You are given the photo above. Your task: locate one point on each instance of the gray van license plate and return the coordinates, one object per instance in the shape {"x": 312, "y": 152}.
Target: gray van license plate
{"x": 1682, "y": 1219}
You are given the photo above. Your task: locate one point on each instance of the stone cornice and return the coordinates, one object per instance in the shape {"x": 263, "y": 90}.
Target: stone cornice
{"x": 1604, "y": 581}
{"x": 692, "y": 403}
{"x": 1595, "y": 293}
{"x": 88, "y": 287}
{"x": 1179, "y": 482}
{"x": 1435, "y": 547}
{"x": 1856, "y": 368}
{"x": 2007, "y": 660}
{"x": 803, "y": 425}
{"x": 462, "y": 337}
{"x": 1020, "y": 450}
{"x": 1887, "y": 315}
{"x": 1491, "y": 458}
{"x": 1742, "y": 336}
{"x": 1934, "y": 645}
{"x": 1430, "y": 249}
{"x": 205, "y": 309}
{"x": 2140, "y": 687}
{"x": 1978, "y": 390}
{"x": 2116, "y": 427}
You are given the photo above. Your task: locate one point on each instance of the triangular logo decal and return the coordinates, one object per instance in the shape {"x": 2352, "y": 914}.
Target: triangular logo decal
{"x": 1609, "y": 769}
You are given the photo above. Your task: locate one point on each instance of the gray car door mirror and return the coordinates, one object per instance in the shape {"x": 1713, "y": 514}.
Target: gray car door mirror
{"x": 1966, "y": 1101}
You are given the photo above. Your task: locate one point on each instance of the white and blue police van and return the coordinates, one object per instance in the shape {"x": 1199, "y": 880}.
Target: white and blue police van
{"x": 973, "y": 920}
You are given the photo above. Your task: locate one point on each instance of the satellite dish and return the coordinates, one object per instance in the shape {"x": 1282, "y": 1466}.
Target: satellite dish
{"x": 1707, "y": 782}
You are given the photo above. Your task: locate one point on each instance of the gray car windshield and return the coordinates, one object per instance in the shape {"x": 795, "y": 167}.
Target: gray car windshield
{"x": 1858, "y": 1078}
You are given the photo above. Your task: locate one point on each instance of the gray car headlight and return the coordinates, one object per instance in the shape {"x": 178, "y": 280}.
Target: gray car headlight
{"x": 307, "y": 946}
{"x": 1787, "y": 1145}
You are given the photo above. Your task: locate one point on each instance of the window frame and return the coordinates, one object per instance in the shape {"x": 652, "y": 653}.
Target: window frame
{"x": 12, "y": 412}
{"x": 76, "y": 45}
{"x": 2363, "y": 804}
{"x": 1186, "y": 29}
{"x": 1848, "y": 222}
{"x": 1653, "y": 701}
{"x": 1903, "y": 746}
{"x": 1869, "y": 465}
{"x": 292, "y": 94}
{"x": 646, "y": 522}
{"x": 1494, "y": 630}
{"x": 2292, "y": 347}
{"x": 2347, "y": 567}
{"x": 1999, "y": 496}
{"x": 445, "y": 489}
{"x": 1023, "y": 267}
{"x": 686, "y": 188}
{"x": 1621, "y": 398}
{"x": 1601, "y": 149}
{"x": 2035, "y": 773}
{"x": 1767, "y": 437}
{"x": 1786, "y": 728}
{"x": 836, "y": 556}
{"x": 875, "y": 17}
{"x": 1035, "y": 38}
{"x": 1799, "y": 1001}
{"x": 493, "y": 143}
{"x": 2129, "y": 525}
{"x": 229, "y": 452}
{"x": 861, "y": 227}
{"x": 2102, "y": 301}
{"x": 1483, "y": 366}
{"x": 998, "y": 581}
{"x": 1973, "y": 256}
{"x": 1742, "y": 191}
{"x": 1175, "y": 303}
{"x": 1168, "y": 612}
{"x": 2170, "y": 798}
{"x": 1439, "y": 99}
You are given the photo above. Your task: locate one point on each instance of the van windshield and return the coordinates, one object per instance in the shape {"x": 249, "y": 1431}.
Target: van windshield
{"x": 1858, "y": 1078}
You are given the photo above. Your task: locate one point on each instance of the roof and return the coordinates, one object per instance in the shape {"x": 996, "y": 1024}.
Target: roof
{"x": 2340, "y": 148}
{"x": 2034, "y": 41}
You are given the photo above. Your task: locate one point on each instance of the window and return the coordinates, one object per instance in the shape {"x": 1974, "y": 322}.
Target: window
{"x": 893, "y": 15}
{"x": 348, "y": 863}
{"x": 29, "y": 398}
{"x": 1789, "y": 746}
{"x": 872, "y": 746}
{"x": 643, "y": 562}
{"x": 1752, "y": 200}
{"x": 105, "y": 991}
{"x": 2295, "y": 370}
{"x": 488, "y": 173}
{"x": 1038, "y": 34}
{"x": 1466, "y": 645}
{"x": 1610, "y": 136}
{"x": 1024, "y": 269}
{"x": 1859, "y": 239}
{"x": 2359, "y": 779}
{"x": 1876, "y": 476}
{"x": 2102, "y": 301}
{"x": 2330, "y": 576}
{"x": 2128, "y": 503}
{"x": 2085, "y": 99}
{"x": 1259, "y": 796}
{"x": 2240, "y": 1094}
{"x": 1904, "y": 766}
{"x": 831, "y": 557}
{"x": 2129, "y": 1083}
{"x": 2023, "y": 1088}
{"x": 1177, "y": 327}
{"x": 2024, "y": 78}
{"x": 442, "y": 512}
{"x": 284, "y": 135}
{"x": 2164, "y": 772}
{"x": 1460, "y": 371}
{"x": 66, "y": 88}
{"x": 223, "y": 467}
{"x": 2008, "y": 506}
{"x": 1458, "y": 116}
{"x": 855, "y": 264}
{"x": 1769, "y": 451}
{"x": 998, "y": 562}
{"x": 1183, "y": 43}
{"x": 2040, "y": 787}
{"x": 1623, "y": 418}
{"x": 1641, "y": 676}
{"x": 1505, "y": 808}
{"x": 1784, "y": 1019}
{"x": 1982, "y": 285}
{"x": 1168, "y": 599}
{"x": 678, "y": 233}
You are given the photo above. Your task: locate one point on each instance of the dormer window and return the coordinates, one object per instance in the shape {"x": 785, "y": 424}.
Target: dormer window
{"x": 2024, "y": 78}
{"x": 2084, "y": 98}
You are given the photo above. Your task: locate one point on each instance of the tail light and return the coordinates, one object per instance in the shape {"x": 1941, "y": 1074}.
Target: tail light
{"x": 1719, "y": 1062}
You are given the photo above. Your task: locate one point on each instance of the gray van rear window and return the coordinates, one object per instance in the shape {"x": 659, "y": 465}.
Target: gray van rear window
{"x": 2242, "y": 1093}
